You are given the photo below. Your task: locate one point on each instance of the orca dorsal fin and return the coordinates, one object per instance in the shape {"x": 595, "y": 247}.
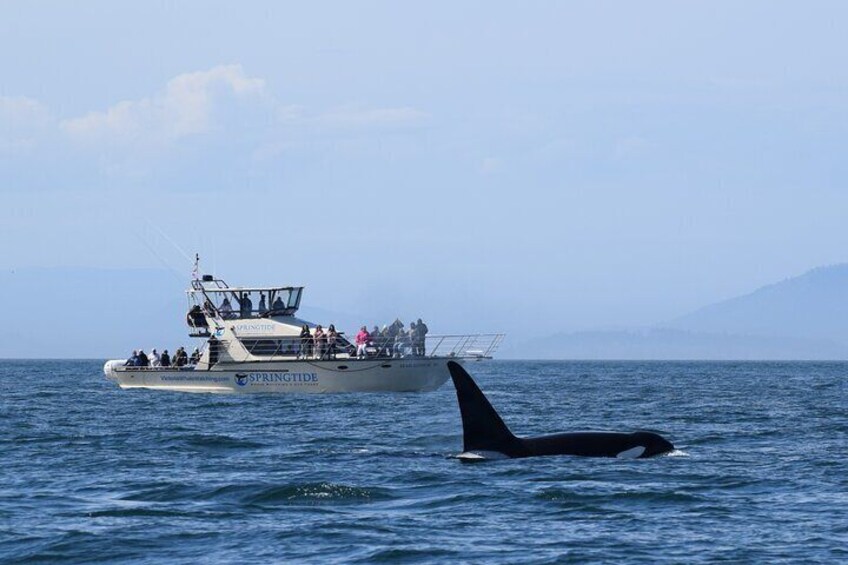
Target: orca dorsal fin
{"x": 482, "y": 427}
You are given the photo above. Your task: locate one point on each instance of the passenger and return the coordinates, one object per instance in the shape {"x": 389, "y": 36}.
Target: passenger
{"x": 305, "y": 342}
{"x": 332, "y": 337}
{"x": 413, "y": 338}
{"x": 195, "y": 357}
{"x": 401, "y": 342}
{"x": 375, "y": 339}
{"x": 362, "y": 339}
{"x": 385, "y": 342}
{"x": 180, "y": 357}
{"x": 278, "y": 306}
{"x": 320, "y": 339}
{"x": 133, "y": 360}
{"x": 155, "y": 360}
{"x": 143, "y": 361}
{"x": 165, "y": 359}
{"x": 195, "y": 318}
{"x": 246, "y": 305}
{"x": 214, "y": 347}
{"x": 422, "y": 338}
{"x": 263, "y": 308}
{"x": 226, "y": 309}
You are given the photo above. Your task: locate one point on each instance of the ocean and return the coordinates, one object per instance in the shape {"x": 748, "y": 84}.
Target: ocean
{"x": 91, "y": 473}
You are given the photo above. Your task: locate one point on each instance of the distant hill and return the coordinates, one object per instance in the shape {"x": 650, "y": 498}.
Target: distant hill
{"x": 671, "y": 344}
{"x": 804, "y": 317}
{"x": 810, "y": 306}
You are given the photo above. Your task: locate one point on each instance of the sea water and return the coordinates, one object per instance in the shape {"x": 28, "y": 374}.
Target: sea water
{"x": 89, "y": 472}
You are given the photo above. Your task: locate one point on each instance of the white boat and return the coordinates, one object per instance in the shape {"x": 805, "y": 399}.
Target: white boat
{"x": 261, "y": 350}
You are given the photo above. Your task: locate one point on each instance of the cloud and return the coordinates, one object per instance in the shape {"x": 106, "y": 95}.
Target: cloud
{"x": 191, "y": 104}
{"x": 22, "y": 122}
{"x": 381, "y": 118}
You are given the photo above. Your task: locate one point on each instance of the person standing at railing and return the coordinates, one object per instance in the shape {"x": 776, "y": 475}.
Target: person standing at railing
{"x": 362, "y": 339}
{"x": 305, "y": 342}
{"x": 155, "y": 360}
{"x": 320, "y": 342}
{"x": 413, "y": 338}
{"x": 245, "y": 305}
{"x": 401, "y": 341}
{"x": 263, "y": 308}
{"x": 332, "y": 336}
{"x": 421, "y": 331}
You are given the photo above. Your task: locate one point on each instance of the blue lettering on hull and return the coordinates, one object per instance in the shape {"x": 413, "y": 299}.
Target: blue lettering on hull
{"x": 271, "y": 378}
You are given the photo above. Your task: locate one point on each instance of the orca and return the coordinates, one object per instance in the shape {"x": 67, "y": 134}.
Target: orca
{"x": 485, "y": 436}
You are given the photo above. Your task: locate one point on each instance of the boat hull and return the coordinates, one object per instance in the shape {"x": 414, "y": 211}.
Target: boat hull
{"x": 296, "y": 376}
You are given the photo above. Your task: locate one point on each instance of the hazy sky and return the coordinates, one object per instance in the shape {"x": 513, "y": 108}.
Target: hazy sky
{"x": 549, "y": 165}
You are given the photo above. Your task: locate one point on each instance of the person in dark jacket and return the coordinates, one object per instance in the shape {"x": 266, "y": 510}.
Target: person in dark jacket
{"x": 305, "y": 342}
{"x": 143, "y": 361}
{"x": 133, "y": 360}
{"x": 421, "y": 334}
{"x": 165, "y": 359}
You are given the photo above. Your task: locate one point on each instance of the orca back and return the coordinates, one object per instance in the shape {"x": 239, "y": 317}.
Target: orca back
{"x": 485, "y": 434}
{"x": 482, "y": 427}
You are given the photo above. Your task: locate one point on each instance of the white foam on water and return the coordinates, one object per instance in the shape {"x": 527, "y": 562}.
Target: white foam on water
{"x": 481, "y": 456}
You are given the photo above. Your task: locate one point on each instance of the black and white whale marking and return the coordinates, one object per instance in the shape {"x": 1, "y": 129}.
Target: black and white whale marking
{"x": 486, "y": 436}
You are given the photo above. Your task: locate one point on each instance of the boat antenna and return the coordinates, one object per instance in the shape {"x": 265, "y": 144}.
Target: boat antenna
{"x": 159, "y": 257}
{"x": 195, "y": 271}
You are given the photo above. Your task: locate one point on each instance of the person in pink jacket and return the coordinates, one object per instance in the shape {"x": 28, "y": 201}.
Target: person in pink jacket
{"x": 362, "y": 339}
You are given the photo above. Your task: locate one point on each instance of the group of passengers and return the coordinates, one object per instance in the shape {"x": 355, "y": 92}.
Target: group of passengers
{"x": 180, "y": 358}
{"x": 319, "y": 344}
{"x": 245, "y": 306}
{"x": 393, "y": 340}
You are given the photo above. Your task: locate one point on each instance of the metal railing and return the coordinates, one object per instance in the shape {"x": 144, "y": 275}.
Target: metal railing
{"x": 468, "y": 346}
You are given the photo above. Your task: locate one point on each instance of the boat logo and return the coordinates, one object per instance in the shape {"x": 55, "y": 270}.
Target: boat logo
{"x": 219, "y": 332}
{"x": 241, "y": 379}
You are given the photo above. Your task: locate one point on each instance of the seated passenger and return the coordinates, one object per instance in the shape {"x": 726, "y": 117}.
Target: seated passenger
{"x": 195, "y": 357}
{"x": 195, "y": 318}
{"x": 133, "y": 360}
{"x": 165, "y": 359}
{"x": 278, "y": 305}
{"x": 143, "y": 361}
{"x": 226, "y": 309}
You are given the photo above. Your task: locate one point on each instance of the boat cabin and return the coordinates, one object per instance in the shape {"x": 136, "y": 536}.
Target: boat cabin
{"x": 213, "y": 302}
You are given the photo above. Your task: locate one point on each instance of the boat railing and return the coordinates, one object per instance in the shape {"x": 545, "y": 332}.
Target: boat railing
{"x": 463, "y": 346}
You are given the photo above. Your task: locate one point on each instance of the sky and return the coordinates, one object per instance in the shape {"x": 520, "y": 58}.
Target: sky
{"x": 518, "y": 167}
